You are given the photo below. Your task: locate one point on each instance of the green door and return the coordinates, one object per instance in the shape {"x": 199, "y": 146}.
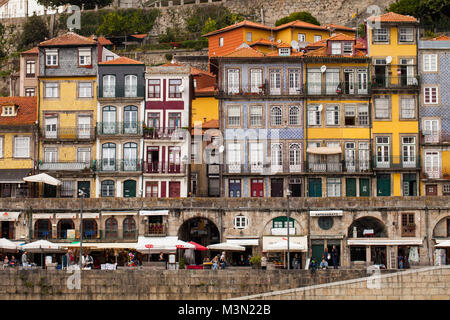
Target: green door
{"x": 384, "y": 185}
{"x": 364, "y": 187}
{"x": 129, "y": 189}
{"x": 317, "y": 251}
{"x": 350, "y": 187}
{"x": 314, "y": 187}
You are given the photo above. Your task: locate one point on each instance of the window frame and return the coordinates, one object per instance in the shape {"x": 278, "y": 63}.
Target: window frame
{"x": 109, "y": 193}
{"x": 236, "y": 122}
{"x": 154, "y": 95}
{"x": 80, "y": 87}
{"x": 85, "y": 53}
{"x": 243, "y": 222}
{"x": 133, "y": 87}
{"x": 430, "y": 89}
{"x": 433, "y": 65}
{"x": 54, "y": 86}
{"x": 52, "y": 53}
{"x": 28, "y": 147}
{"x": 174, "y": 86}
{"x": 111, "y": 87}
{"x": 388, "y": 109}
{"x": 334, "y": 110}
{"x": 29, "y": 63}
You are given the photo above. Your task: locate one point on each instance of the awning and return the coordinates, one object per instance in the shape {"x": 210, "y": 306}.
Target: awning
{"x": 66, "y": 216}
{"x": 385, "y": 242}
{"x": 91, "y": 215}
{"x": 296, "y": 243}
{"x": 119, "y": 213}
{"x": 198, "y": 247}
{"x": 324, "y": 150}
{"x": 76, "y": 244}
{"x": 6, "y": 244}
{"x": 121, "y": 245}
{"x": 43, "y": 177}
{"x": 161, "y": 244}
{"x": 442, "y": 244}
{"x": 154, "y": 212}
{"x": 42, "y": 216}
{"x": 244, "y": 242}
{"x": 9, "y": 216}
{"x": 13, "y": 175}
{"x": 42, "y": 246}
{"x": 326, "y": 213}
{"x": 225, "y": 246}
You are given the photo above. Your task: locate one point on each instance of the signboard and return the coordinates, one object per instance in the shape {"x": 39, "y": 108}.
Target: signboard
{"x": 326, "y": 213}
{"x": 9, "y": 216}
{"x": 70, "y": 234}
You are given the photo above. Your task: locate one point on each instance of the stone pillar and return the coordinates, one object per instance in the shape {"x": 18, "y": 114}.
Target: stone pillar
{"x": 197, "y": 1}
{"x": 182, "y": 2}
{"x": 368, "y": 256}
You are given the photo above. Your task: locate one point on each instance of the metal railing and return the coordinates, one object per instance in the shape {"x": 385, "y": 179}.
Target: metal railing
{"x": 68, "y": 134}
{"x": 156, "y": 229}
{"x": 387, "y": 82}
{"x": 66, "y": 166}
{"x": 432, "y": 137}
{"x": 337, "y": 88}
{"x": 163, "y": 167}
{"x": 261, "y": 89}
{"x": 396, "y": 162}
{"x": 114, "y": 128}
{"x": 165, "y": 133}
{"x": 131, "y": 165}
{"x": 265, "y": 169}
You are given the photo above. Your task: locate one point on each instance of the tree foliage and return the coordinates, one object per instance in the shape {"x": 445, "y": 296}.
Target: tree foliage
{"x": 302, "y": 15}
{"x": 35, "y": 30}
{"x": 8, "y": 41}
{"x": 88, "y": 4}
{"x": 129, "y": 21}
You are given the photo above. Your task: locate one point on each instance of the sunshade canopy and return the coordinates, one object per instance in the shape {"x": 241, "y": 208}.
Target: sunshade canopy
{"x": 161, "y": 244}
{"x": 6, "y": 244}
{"x": 226, "y": 246}
{"x": 324, "y": 150}
{"x": 283, "y": 246}
{"x": 198, "y": 247}
{"x": 43, "y": 177}
{"x": 42, "y": 246}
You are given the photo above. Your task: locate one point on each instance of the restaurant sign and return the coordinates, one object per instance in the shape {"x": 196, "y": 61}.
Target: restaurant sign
{"x": 326, "y": 213}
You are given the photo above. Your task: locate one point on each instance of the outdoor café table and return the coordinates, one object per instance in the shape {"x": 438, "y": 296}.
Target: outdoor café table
{"x": 194, "y": 267}
{"x": 207, "y": 265}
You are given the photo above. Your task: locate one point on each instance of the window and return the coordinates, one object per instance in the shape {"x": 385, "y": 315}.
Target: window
{"x": 446, "y": 189}
{"x": 1, "y": 147}
{"x": 234, "y": 156}
{"x": 314, "y": 81}
{"x": 350, "y": 156}
{"x": 256, "y": 116}
{"x": 255, "y": 80}
{"x": 408, "y": 108}
{"x": 430, "y": 95}
{"x": 152, "y": 189}
{"x": 256, "y": 156}
{"x": 174, "y": 88}
{"x": 281, "y": 222}
{"x": 294, "y": 81}
{"x": 381, "y": 108}
{"x": 233, "y": 81}
{"x": 84, "y": 155}
{"x": 51, "y": 127}
{"x": 362, "y": 81}
{"x": 325, "y": 223}
{"x": 363, "y": 115}
{"x": 430, "y": 62}
{"x": 51, "y": 57}
{"x": 382, "y": 152}
{"x": 85, "y": 90}
{"x": 380, "y": 35}
{"x": 51, "y": 89}
{"x": 50, "y": 155}
{"x": 174, "y": 120}
{"x": 21, "y": 147}
{"x": 67, "y": 188}
{"x": 332, "y": 115}
{"x": 31, "y": 69}
{"x": 130, "y": 162}
{"x": 334, "y": 187}
{"x": 314, "y": 116}
{"x": 8, "y": 111}
{"x": 349, "y": 115}
{"x": 294, "y": 157}
{"x": 129, "y": 228}
{"x": 301, "y": 37}
{"x": 130, "y": 86}
{"x": 335, "y": 48}
{"x": 276, "y": 116}
{"x": 348, "y": 48}
{"x": 240, "y": 222}
{"x": 432, "y": 166}
{"x": 108, "y": 188}
{"x": 275, "y": 81}
{"x": 332, "y": 81}
{"x": 30, "y": 92}
{"x": 294, "y": 116}
{"x": 431, "y": 130}
{"x": 220, "y": 42}
{"x": 111, "y": 228}
{"x": 284, "y": 51}
{"x": 409, "y": 151}
{"x": 249, "y": 37}
{"x": 364, "y": 156}
{"x": 234, "y": 116}
{"x": 406, "y": 34}
{"x": 84, "y": 55}
{"x": 317, "y": 38}
{"x": 276, "y": 154}
{"x": 154, "y": 88}
{"x": 109, "y": 86}
{"x": 153, "y": 120}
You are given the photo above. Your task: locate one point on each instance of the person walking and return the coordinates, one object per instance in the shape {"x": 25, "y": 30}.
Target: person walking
{"x": 326, "y": 254}
{"x": 223, "y": 261}
{"x": 25, "y": 262}
{"x": 334, "y": 257}
{"x": 264, "y": 262}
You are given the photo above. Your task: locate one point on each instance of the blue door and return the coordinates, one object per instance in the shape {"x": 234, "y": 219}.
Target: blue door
{"x": 234, "y": 188}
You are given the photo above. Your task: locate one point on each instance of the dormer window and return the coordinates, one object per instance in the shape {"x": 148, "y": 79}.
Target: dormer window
{"x": 335, "y": 48}
{"x": 8, "y": 111}
{"x": 284, "y": 51}
{"x": 51, "y": 57}
{"x": 348, "y": 48}
{"x": 84, "y": 55}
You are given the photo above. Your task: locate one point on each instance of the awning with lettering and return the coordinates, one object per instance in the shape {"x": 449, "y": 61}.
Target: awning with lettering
{"x": 324, "y": 150}
{"x": 385, "y": 242}
{"x": 154, "y": 212}
{"x": 326, "y": 213}
{"x": 244, "y": 242}
{"x": 42, "y": 216}
{"x": 66, "y": 216}
{"x": 91, "y": 215}
{"x": 9, "y": 216}
{"x": 119, "y": 213}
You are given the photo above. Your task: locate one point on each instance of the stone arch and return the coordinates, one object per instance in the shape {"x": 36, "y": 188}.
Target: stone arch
{"x": 368, "y": 222}
{"x": 267, "y": 224}
{"x": 441, "y": 228}
{"x": 199, "y": 229}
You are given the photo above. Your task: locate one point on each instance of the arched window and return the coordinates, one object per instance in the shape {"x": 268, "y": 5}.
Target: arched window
{"x": 108, "y": 157}
{"x": 89, "y": 229}
{"x": 43, "y": 229}
{"x": 294, "y": 154}
{"x": 277, "y": 154}
{"x": 109, "y": 86}
{"x": 111, "y": 228}
{"x": 109, "y": 120}
{"x": 130, "y": 121}
{"x": 294, "y": 115}
{"x": 108, "y": 188}
{"x": 63, "y": 226}
{"x": 130, "y": 157}
{"x": 276, "y": 116}
{"x": 130, "y": 85}
{"x": 129, "y": 228}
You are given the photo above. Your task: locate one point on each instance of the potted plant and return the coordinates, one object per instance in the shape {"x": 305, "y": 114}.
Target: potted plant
{"x": 256, "y": 261}
{"x": 181, "y": 264}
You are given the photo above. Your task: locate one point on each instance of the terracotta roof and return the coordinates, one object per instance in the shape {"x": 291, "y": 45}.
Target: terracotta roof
{"x": 139, "y": 36}
{"x": 360, "y": 44}
{"x": 244, "y": 53}
{"x": 300, "y": 24}
{"x": 213, "y": 123}
{"x": 170, "y": 64}
{"x": 245, "y": 23}
{"x": 121, "y": 60}
{"x": 103, "y": 41}
{"x": 196, "y": 72}
{"x": 283, "y": 45}
{"x": 322, "y": 52}
{"x": 35, "y": 50}
{"x": 210, "y": 89}
{"x": 321, "y": 43}
{"x": 341, "y": 37}
{"x": 338, "y": 27}
{"x": 263, "y": 42}
{"x": 441, "y": 38}
{"x": 393, "y": 17}
{"x": 275, "y": 53}
{"x": 68, "y": 39}
{"x": 27, "y": 113}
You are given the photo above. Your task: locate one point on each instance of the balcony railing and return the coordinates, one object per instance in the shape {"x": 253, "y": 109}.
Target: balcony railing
{"x": 156, "y": 229}
{"x": 67, "y": 166}
{"x": 115, "y": 128}
{"x": 337, "y": 88}
{"x": 261, "y": 89}
{"x": 163, "y": 167}
{"x": 396, "y": 162}
{"x": 409, "y": 231}
{"x": 69, "y": 134}
{"x": 432, "y": 174}
{"x": 325, "y": 167}
{"x": 165, "y": 133}
{"x": 114, "y": 165}
{"x": 382, "y": 82}
{"x": 266, "y": 169}
{"x": 434, "y": 137}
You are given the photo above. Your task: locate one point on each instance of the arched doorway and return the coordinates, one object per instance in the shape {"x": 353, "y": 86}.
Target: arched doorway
{"x": 441, "y": 231}
{"x": 63, "y": 226}
{"x": 43, "y": 229}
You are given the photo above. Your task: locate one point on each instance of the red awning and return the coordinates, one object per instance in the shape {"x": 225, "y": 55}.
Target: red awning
{"x": 198, "y": 246}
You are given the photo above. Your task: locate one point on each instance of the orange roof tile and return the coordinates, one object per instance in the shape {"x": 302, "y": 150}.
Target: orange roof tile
{"x": 103, "y": 41}
{"x": 244, "y": 53}
{"x": 210, "y": 89}
{"x": 170, "y": 64}
{"x": 196, "y": 72}
{"x": 338, "y": 27}
{"x": 213, "y": 123}
{"x": 322, "y": 52}
{"x": 300, "y": 24}
{"x": 275, "y": 53}
{"x": 320, "y": 43}
{"x": 27, "y": 113}
{"x": 283, "y": 45}
{"x": 341, "y": 37}
{"x": 441, "y": 38}
{"x": 35, "y": 50}
{"x": 67, "y": 39}
{"x": 121, "y": 60}
{"x": 139, "y": 36}
{"x": 245, "y": 23}
{"x": 263, "y": 42}
{"x": 393, "y": 17}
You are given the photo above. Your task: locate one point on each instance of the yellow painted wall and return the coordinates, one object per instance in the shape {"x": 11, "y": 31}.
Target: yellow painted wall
{"x": 256, "y": 34}
{"x": 289, "y": 34}
{"x": 205, "y": 107}
{"x": 446, "y": 162}
{"x": 8, "y": 162}
{"x": 264, "y": 49}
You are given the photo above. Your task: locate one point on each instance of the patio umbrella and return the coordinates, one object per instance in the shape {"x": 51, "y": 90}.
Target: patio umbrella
{"x": 6, "y": 244}
{"x": 282, "y": 246}
{"x": 43, "y": 177}
{"x": 198, "y": 247}
{"x": 189, "y": 256}
{"x": 42, "y": 246}
{"x": 225, "y": 246}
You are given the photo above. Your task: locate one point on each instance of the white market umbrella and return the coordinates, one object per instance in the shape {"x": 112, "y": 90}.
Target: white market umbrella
{"x": 165, "y": 244}
{"x": 43, "y": 177}
{"x": 226, "y": 246}
{"x": 443, "y": 244}
{"x": 41, "y": 246}
{"x": 6, "y": 244}
{"x": 282, "y": 246}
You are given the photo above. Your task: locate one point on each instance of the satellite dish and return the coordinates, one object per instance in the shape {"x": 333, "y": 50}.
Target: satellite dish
{"x": 295, "y": 45}
{"x": 320, "y": 108}
{"x": 279, "y": 40}
{"x": 388, "y": 59}
{"x": 181, "y": 88}
{"x": 323, "y": 68}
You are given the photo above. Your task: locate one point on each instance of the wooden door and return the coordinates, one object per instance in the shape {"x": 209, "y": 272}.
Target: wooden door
{"x": 257, "y": 187}
{"x": 174, "y": 189}
{"x": 276, "y": 188}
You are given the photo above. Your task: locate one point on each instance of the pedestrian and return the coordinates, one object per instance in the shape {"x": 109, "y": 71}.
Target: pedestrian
{"x": 223, "y": 261}
{"x": 313, "y": 265}
{"x": 13, "y": 262}
{"x": 334, "y": 257}
{"x": 264, "y": 262}
{"x": 25, "y": 262}
{"x": 323, "y": 264}
{"x": 161, "y": 257}
{"x": 6, "y": 260}
{"x": 326, "y": 254}
{"x": 215, "y": 262}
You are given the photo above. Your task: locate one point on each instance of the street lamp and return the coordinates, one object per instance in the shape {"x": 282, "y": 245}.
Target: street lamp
{"x": 81, "y": 194}
{"x": 288, "y": 194}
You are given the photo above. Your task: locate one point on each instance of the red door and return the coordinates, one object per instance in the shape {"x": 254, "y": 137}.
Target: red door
{"x": 174, "y": 189}
{"x": 174, "y": 159}
{"x": 163, "y": 189}
{"x": 152, "y": 160}
{"x": 257, "y": 187}
{"x": 151, "y": 190}
{"x": 431, "y": 190}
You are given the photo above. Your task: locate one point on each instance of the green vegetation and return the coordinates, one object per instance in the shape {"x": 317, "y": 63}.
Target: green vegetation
{"x": 35, "y": 30}
{"x": 434, "y": 15}
{"x": 88, "y": 4}
{"x": 302, "y": 15}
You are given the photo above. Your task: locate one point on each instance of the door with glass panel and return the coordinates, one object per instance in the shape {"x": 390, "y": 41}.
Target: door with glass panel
{"x": 84, "y": 127}
{"x": 382, "y": 156}
{"x": 256, "y": 157}
{"x": 130, "y": 86}
{"x": 332, "y": 81}
{"x": 109, "y": 120}
{"x": 174, "y": 159}
{"x": 233, "y": 81}
{"x": 234, "y": 157}
{"x": 275, "y": 82}
{"x": 295, "y": 158}
{"x": 333, "y": 161}
{"x": 255, "y": 80}
{"x": 432, "y": 169}
{"x": 130, "y": 122}
{"x": 109, "y": 157}
{"x": 51, "y": 128}
{"x": 409, "y": 152}
{"x": 431, "y": 131}
{"x": 277, "y": 158}
{"x": 364, "y": 161}
{"x": 130, "y": 162}
{"x": 349, "y": 81}
{"x": 314, "y": 81}
{"x": 362, "y": 82}
{"x": 350, "y": 164}
{"x": 294, "y": 81}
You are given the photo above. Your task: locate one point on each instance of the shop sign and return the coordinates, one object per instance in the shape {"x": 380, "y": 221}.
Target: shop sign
{"x": 326, "y": 213}
{"x": 71, "y": 234}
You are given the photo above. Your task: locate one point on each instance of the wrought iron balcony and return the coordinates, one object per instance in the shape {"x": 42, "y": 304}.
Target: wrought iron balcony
{"x": 402, "y": 82}
{"x": 337, "y": 88}
{"x": 67, "y": 166}
{"x": 115, "y": 165}
{"x": 434, "y": 137}
{"x": 164, "y": 167}
{"x": 396, "y": 162}
{"x": 81, "y": 133}
{"x": 260, "y": 89}
{"x": 264, "y": 169}
{"x": 172, "y": 133}
{"x": 119, "y": 128}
